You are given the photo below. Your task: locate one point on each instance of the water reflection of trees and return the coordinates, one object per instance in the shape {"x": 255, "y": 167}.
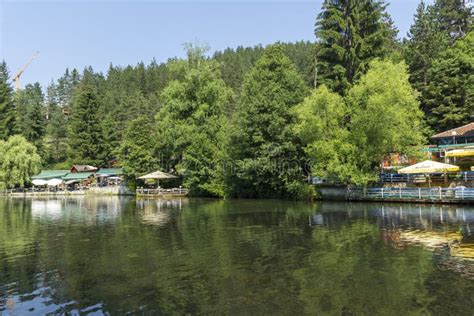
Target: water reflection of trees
{"x": 444, "y": 229}
{"x": 223, "y": 257}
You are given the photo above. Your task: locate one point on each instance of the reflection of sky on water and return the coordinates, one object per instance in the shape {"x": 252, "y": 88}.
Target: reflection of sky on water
{"x": 44, "y": 300}
{"x": 159, "y": 212}
{"x": 46, "y": 208}
{"x": 91, "y": 210}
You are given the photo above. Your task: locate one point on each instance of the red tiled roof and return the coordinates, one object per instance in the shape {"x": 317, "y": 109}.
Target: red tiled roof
{"x": 466, "y": 130}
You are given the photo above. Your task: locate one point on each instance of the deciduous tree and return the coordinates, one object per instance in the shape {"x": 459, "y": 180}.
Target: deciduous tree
{"x": 262, "y": 145}
{"x": 19, "y": 160}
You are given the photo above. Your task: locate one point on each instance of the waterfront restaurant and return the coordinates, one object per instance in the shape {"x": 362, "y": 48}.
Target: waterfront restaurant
{"x": 79, "y": 177}
{"x": 454, "y": 147}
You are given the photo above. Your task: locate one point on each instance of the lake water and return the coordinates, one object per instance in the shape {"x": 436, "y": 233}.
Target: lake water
{"x": 112, "y": 255}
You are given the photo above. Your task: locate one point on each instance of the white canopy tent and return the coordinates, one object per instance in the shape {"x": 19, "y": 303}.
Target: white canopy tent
{"x": 39, "y": 182}
{"x": 54, "y": 182}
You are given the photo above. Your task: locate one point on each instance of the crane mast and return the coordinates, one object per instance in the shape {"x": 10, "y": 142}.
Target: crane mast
{"x": 16, "y": 77}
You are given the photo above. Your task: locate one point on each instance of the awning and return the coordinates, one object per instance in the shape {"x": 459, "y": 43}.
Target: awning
{"x": 50, "y": 174}
{"x": 104, "y": 172}
{"x": 465, "y": 152}
{"x": 78, "y": 176}
{"x": 429, "y": 166}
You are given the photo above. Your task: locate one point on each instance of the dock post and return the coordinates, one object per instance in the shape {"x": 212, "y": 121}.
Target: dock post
{"x": 400, "y": 192}
{"x": 419, "y": 193}
{"x": 382, "y": 192}
{"x": 440, "y": 195}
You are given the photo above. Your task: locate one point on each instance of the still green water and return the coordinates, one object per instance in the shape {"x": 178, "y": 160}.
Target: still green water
{"x": 113, "y": 256}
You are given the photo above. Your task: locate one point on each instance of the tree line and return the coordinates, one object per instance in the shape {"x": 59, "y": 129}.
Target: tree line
{"x": 258, "y": 121}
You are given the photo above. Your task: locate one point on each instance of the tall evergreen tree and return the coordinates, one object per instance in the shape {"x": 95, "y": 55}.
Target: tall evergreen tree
{"x": 31, "y": 121}
{"x": 136, "y": 152}
{"x": 449, "y": 95}
{"x": 424, "y": 44}
{"x": 55, "y": 141}
{"x": 262, "y": 145}
{"x": 85, "y": 138}
{"x": 454, "y": 18}
{"x": 436, "y": 29}
{"x": 350, "y": 34}
{"x": 7, "y": 106}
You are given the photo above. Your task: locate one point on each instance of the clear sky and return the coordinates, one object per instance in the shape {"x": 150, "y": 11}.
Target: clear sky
{"x": 97, "y": 33}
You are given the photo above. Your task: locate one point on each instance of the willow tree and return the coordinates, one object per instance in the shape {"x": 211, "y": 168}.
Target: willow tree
{"x": 19, "y": 160}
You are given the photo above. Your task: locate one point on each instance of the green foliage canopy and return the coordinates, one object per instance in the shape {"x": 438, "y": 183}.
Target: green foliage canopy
{"x": 190, "y": 123}
{"x": 348, "y": 138}
{"x": 19, "y": 160}
{"x": 262, "y": 146}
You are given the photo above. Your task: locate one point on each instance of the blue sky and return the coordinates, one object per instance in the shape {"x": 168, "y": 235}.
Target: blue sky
{"x": 80, "y": 33}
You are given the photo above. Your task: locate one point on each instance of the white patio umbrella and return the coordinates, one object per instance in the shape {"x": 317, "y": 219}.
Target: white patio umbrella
{"x": 54, "y": 182}
{"x": 427, "y": 167}
{"x": 157, "y": 175}
{"x": 39, "y": 182}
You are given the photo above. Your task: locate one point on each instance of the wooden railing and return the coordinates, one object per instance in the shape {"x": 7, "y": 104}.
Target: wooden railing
{"x": 161, "y": 191}
{"x": 418, "y": 194}
{"x": 417, "y": 178}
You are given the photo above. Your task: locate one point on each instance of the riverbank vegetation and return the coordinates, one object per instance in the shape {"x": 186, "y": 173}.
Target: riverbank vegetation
{"x": 258, "y": 121}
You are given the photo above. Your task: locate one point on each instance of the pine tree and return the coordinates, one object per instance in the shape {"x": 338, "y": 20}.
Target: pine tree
{"x": 350, "y": 34}
{"x": 433, "y": 68}
{"x": 136, "y": 151}
{"x": 449, "y": 95}
{"x": 425, "y": 42}
{"x": 7, "y": 106}
{"x": 454, "y": 18}
{"x": 262, "y": 144}
{"x": 30, "y": 120}
{"x": 85, "y": 139}
{"x": 56, "y": 128}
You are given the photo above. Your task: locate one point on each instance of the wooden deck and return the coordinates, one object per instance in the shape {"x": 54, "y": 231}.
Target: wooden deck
{"x": 160, "y": 192}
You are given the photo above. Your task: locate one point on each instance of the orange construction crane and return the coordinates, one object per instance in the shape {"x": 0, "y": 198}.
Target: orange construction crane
{"x": 16, "y": 77}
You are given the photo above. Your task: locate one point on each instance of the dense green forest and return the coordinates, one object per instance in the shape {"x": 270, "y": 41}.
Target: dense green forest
{"x": 257, "y": 121}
